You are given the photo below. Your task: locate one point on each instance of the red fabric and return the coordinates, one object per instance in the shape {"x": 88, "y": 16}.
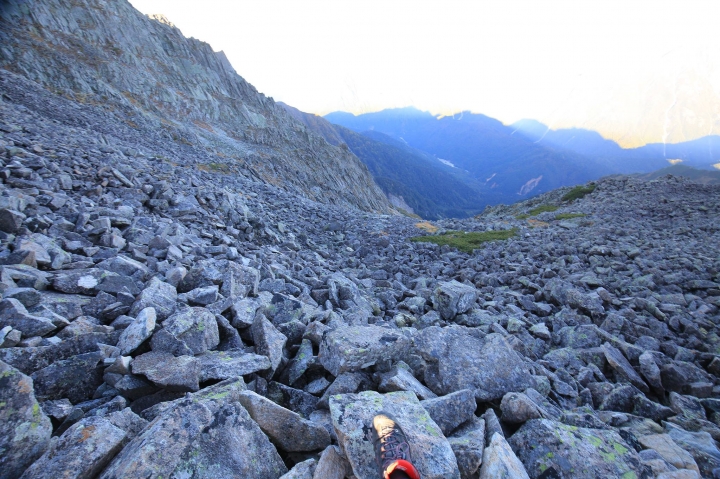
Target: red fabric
{"x": 404, "y": 466}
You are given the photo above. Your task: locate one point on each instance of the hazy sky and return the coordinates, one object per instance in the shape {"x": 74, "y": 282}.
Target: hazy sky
{"x": 632, "y": 69}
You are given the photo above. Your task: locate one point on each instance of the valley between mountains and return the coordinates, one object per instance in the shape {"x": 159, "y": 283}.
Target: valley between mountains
{"x": 198, "y": 282}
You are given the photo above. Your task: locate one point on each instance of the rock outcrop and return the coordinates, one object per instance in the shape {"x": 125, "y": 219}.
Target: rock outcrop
{"x": 152, "y": 79}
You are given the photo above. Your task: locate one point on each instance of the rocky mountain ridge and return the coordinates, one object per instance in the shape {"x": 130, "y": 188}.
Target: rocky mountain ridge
{"x": 155, "y": 81}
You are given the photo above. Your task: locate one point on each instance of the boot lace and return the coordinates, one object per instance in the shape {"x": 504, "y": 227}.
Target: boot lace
{"x": 392, "y": 447}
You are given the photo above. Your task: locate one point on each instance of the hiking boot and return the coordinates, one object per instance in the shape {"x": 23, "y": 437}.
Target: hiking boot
{"x": 392, "y": 451}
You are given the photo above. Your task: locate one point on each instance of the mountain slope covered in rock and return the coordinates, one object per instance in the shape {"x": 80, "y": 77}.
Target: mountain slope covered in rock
{"x": 291, "y": 322}
{"x": 152, "y": 79}
{"x": 167, "y": 314}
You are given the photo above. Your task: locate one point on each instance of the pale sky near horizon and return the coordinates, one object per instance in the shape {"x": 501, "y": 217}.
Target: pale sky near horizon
{"x": 635, "y": 70}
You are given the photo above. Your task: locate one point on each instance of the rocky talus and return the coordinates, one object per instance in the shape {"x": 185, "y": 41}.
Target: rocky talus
{"x": 167, "y": 313}
{"x": 163, "y": 320}
{"x": 177, "y": 97}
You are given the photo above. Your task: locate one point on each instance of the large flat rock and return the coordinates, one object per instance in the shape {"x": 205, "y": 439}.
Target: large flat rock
{"x": 353, "y": 348}
{"x": 159, "y": 295}
{"x": 230, "y": 364}
{"x": 181, "y": 373}
{"x": 13, "y": 313}
{"x": 352, "y": 416}
{"x": 458, "y": 360}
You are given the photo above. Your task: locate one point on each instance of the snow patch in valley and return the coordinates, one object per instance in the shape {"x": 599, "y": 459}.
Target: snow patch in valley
{"x": 446, "y": 162}
{"x": 530, "y": 185}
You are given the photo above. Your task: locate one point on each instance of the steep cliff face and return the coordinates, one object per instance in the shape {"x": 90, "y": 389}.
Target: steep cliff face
{"x": 148, "y": 75}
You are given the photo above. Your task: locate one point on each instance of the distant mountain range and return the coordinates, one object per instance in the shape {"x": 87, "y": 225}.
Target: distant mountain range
{"x": 701, "y": 153}
{"x": 413, "y": 180}
{"x": 497, "y": 163}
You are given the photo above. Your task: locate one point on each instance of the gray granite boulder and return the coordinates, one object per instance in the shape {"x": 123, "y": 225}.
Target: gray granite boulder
{"x": 268, "y": 341}
{"x": 175, "y": 373}
{"x": 451, "y": 410}
{"x": 452, "y": 298}
{"x": 644, "y": 407}
{"x": 301, "y": 470}
{"x": 570, "y": 451}
{"x": 352, "y": 415}
{"x": 201, "y": 296}
{"x": 124, "y": 266}
{"x": 669, "y": 451}
{"x": 240, "y": 281}
{"x": 331, "y": 465}
{"x": 287, "y": 429}
{"x": 243, "y": 312}
{"x": 206, "y": 435}
{"x": 159, "y": 295}
{"x": 138, "y": 331}
{"x": 24, "y": 429}
{"x": 296, "y": 400}
{"x": 14, "y": 314}
{"x": 400, "y": 378}
{"x": 352, "y": 348}
{"x": 10, "y": 220}
{"x": 343, "y": 384}
{"x": 75, "y": 378}
{"x": 82, "y": 451}
{"x": 499, "y": 460}
{"x": 517, "y": 408}
{"x": 282, "y": 309}
{"x": 31, "y": 359}
{"x": 187, "y": 332}
{"x": 651, "y": 372}
{"x": 700, "y": 445}
{"x": 623, "y": 368}
{"x": 468, "y": 445}
{"x": 300, "y": 363}
{"x": 230, "y": 364}
{"x": 82, "y": 281}
{"x": 458, "y": 360}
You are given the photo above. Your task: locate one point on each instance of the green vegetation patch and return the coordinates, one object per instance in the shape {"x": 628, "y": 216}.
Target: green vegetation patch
{"x": 579, "y": 192}
{"x": 543, "y": 209}
{"x": 569, "y": 216}
{"x": 216, "y": 167}
{"x": 466, "y": 242}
